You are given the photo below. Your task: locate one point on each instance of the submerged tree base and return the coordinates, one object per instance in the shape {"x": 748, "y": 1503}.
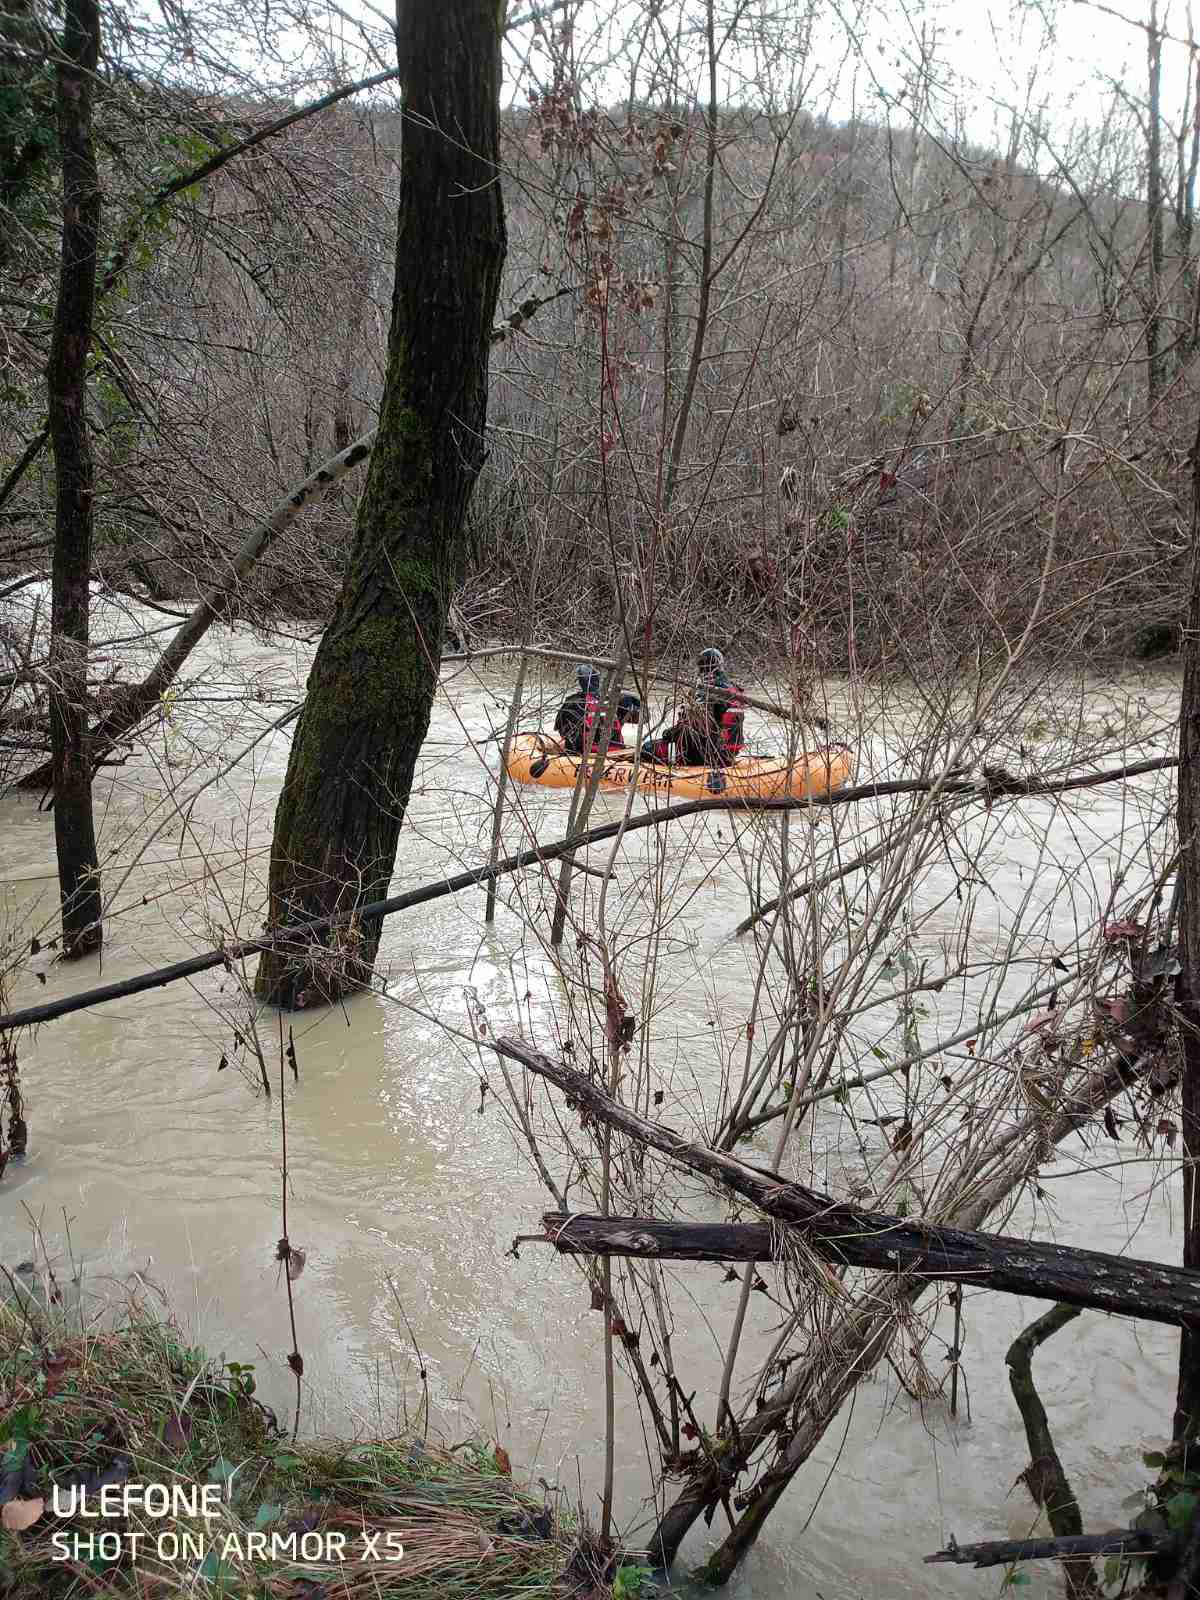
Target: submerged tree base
{"x": 100, "y": 1428}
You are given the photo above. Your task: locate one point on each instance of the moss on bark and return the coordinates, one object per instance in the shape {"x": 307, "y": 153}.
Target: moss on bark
{"x": 370, "y": 692}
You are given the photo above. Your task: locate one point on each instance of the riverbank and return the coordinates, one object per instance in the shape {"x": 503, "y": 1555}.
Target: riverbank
{"x": 136, "y": 1463}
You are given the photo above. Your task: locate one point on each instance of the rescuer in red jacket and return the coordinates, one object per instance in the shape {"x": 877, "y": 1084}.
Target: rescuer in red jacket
{"x": 711, "y": 731}
{"x": 581, "y": 714}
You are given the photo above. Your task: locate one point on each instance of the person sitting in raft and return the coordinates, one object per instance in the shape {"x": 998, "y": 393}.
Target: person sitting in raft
{"x": 581, "y": 714}
{"x": 723, "y": 702}
{"x": 711, "y": 731}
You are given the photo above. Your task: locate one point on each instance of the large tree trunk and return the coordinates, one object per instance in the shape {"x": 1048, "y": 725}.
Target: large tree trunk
{"x": 1187, "y": 1407}
{"x": 74, "y": 826}
{"x": 373, "y": 681}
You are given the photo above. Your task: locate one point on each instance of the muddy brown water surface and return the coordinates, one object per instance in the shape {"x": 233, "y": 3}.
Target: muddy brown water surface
{"x": 405, "y": 1196}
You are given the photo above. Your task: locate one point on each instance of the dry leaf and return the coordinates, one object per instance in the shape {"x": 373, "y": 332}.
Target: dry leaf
{"x": 1169, "y": 1132}
{"x": 17, "y": 1515}
{"x": 55, "y": 1366}
{"x": 296, "y": 1260}
{"x": 177, "y": 1432}
{"x": 1034, "y": 1089}
{"x": 503, "y": 1464}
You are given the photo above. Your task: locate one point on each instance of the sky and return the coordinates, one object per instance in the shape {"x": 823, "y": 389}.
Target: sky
{"x": 1060, "y": 58}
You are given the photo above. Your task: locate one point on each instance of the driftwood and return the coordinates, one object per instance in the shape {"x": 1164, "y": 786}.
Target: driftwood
{"x": 1000, "y": 1552}
{"x": 843, "y": 1234}
{"x": 850, "y": 1237}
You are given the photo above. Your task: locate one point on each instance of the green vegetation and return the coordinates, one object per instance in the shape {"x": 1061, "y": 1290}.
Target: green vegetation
{"x": 136, "y": 1405}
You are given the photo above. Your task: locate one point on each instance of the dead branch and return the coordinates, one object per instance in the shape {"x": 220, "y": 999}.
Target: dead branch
{"x": 999, "y": 1552}
{"x": 1045, "y": 1477}
{"x": 843, "y": 1234}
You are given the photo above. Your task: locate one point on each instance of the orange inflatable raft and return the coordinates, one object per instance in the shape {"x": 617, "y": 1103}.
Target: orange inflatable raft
{"x": 815, "y": 772}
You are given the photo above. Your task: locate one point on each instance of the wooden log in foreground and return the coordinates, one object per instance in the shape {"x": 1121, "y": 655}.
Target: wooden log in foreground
{"x": 999, "y": 1552}
{"x": 1119, "y": 1284}
{"x": 849, "y": 1236}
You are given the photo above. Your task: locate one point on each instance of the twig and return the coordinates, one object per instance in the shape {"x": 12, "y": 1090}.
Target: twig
{"x": 284, "y": 1251}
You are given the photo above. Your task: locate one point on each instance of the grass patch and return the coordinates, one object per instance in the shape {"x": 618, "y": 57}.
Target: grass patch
{"x": 132, "y": 1404}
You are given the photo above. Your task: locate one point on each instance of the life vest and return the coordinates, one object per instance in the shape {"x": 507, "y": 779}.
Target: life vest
{"x": 593, "y": 720}
{"x": 731, "y": 725}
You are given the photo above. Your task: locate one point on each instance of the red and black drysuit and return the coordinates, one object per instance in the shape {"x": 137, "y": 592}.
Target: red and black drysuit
{"x": 579, "y": 718}
{"x": 712, "y": 734}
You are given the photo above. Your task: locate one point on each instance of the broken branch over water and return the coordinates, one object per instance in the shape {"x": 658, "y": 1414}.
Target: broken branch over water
{"x": 999, "y": 1552}
{"x": 302, "y": 934}
{"x": 849, "y": 1236}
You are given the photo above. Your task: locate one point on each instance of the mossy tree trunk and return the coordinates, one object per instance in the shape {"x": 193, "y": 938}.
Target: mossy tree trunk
{"x": 372, "y": 684}
{"x": 66, "y": 381}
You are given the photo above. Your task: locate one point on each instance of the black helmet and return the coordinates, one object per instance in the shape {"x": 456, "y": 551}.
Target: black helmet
{"x": 589, "y": 678}
{"x": 629, "y": 707}
{"x": 711, "y": 660}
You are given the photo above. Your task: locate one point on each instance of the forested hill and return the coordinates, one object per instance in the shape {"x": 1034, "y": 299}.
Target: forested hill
{"x": 838, "y": 387}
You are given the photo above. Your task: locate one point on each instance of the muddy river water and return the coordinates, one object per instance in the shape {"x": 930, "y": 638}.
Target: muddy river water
{"x": 406, "y": 1198}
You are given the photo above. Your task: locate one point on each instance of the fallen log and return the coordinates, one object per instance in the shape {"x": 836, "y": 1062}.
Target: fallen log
{"x": 1000, "y": 1552}
{"x": 850, "y": 1236}
{"x": 846, "y": 1236}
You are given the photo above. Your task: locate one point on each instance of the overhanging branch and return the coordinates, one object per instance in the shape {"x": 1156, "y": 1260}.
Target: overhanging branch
{"x": 536, "y": 855}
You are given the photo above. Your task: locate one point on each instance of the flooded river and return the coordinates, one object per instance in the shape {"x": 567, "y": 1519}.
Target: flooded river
{"x": 165, "y": 1171}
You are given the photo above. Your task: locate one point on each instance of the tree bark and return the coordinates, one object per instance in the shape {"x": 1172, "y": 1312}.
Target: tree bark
{"x": 74, "y": 825}
{"x": 1075, "y": 1279}
{"x": 1187, "y": 1403}
{"x": 372, "y": 684}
